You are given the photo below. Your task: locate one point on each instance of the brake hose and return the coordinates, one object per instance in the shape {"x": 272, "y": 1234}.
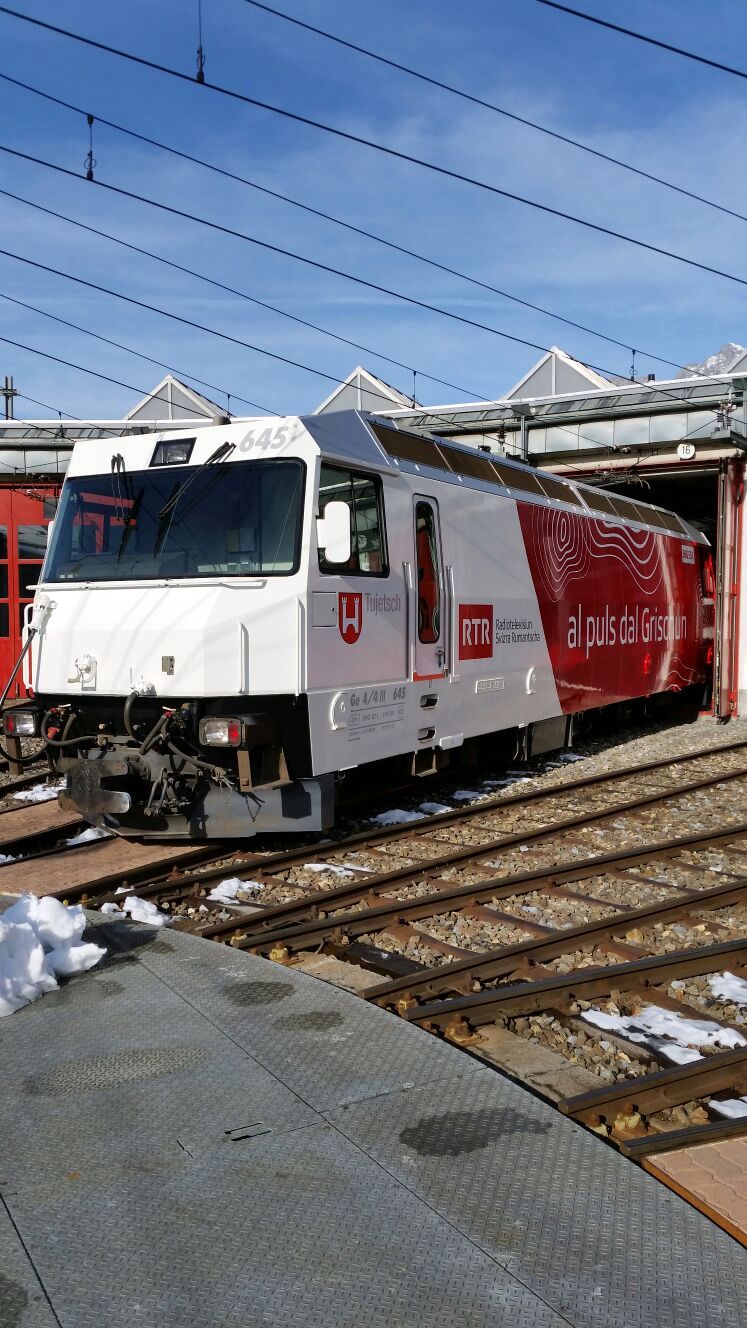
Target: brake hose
{"x": 127, "y": 714}
{"x": 214, "y": 771}
{"x": 63, "y": 741}
{"x": 148, "y": 741}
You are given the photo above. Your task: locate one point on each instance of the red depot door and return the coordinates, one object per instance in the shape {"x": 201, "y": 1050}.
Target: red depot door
{"x": 25, "y": 513}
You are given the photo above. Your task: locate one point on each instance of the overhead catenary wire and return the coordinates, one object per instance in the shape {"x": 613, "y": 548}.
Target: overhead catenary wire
{"x": 231, "y": 290}
{"x": 650, "y": 41}
{"x": 394, "y": 293}
{"x": 130, "y": 350}
{"x": 179, "y": 318}
{"x": 288, "y": 253}
{"x": 335, "y": 221}
{"x": 165, "y": 313}
{"x": 361, "y": 141}
{"x": 81, "y": 368}
{"x": 179, "y": 267}
{"x": 57, "y": 272}
{"x": 44, "y": 404}
{"x": 491, "y": 106}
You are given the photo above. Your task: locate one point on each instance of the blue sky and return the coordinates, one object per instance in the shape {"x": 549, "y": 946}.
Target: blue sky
{"x": 661, "y": 113}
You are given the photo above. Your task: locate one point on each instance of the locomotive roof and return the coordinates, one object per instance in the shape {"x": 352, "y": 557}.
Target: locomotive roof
{"x": 376, "y": 441}
{"x": 458, "y": 464}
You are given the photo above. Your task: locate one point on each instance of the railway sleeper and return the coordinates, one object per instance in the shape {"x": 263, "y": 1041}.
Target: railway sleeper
{"x": 558, "y": 992}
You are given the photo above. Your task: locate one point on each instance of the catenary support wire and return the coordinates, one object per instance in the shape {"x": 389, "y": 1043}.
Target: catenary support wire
{"x": 335, "y": 221}
{"x": 375, "y": 146}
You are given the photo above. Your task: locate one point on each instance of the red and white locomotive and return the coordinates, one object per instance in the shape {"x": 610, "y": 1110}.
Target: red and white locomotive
{"x": 226, "y": 622}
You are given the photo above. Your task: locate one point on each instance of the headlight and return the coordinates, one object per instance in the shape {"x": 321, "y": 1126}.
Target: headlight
{"x": 20, "y": 723}
{"x": 216, "y": 732}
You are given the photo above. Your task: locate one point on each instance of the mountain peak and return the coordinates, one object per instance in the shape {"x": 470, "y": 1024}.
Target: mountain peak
{"x": 719, "y": 363}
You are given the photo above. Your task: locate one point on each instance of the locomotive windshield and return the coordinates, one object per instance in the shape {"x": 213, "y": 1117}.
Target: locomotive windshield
{"x": 242, "y": 519}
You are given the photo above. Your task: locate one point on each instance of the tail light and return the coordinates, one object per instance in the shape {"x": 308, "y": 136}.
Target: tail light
{"x": 219, "y": 732}
{"x": 709, "y": 655}
{"x": 646, "y": 664}
{"x": 20, "y": 724}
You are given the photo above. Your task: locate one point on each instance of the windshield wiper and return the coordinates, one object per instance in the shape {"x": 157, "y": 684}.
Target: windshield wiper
{"x": 119, "y": 473}
{"x": 166, "y": 514}
{"x": 128, "y": 523}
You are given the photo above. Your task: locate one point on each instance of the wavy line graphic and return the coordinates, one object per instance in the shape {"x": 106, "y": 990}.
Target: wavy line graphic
{"x": 566, "y": 548}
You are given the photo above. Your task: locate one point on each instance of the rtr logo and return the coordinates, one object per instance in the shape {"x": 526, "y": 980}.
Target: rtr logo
{"x": 475, "y": 631}
{"x": 350, "y": 615}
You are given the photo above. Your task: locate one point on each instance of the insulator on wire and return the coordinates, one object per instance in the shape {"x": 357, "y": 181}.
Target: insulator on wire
{"x": 200, "y": 75}
{"x": 90, "y": 160}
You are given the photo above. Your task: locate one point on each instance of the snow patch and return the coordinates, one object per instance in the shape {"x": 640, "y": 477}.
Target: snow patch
{"x": 5, "y": 858}
{"x": 68, "y": 959}
{"x": 40, "y": 792}
{"x": 227, "y": 892}
{"x": 506, "y": 782}
{"x": 39, "y": 940}
{"x": 397, "y": 816}
{"x": 327, "y": 866}
{"x": 732, "y": 1107}
{"x": 675, "y": 1036}
{"x": 434, "y": 808}
{"x": 87, "y": 836}
{"x": 140, "y": 910}
{"x": 729, "y": 988}
{"x": 468, "y": 795}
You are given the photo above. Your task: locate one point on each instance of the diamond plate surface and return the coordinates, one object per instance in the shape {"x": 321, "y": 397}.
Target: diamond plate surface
{"x": 572, "y": 1218}
{"x": 23, "y": 1303}
{"x": 195, "y": 1136}
{"x": 330, "y": 1047}
{"x": 289, "y": 1233}
{"x": 116, "y": 1064}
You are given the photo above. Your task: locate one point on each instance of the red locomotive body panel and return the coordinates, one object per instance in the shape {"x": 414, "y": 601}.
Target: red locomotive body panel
{"x": 625, "y": 611}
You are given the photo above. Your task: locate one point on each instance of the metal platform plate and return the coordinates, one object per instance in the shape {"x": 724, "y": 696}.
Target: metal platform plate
{"x": 197, "y": 1136}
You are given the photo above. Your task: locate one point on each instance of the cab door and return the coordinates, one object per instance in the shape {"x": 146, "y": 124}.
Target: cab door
{"x": 430, "y": 608}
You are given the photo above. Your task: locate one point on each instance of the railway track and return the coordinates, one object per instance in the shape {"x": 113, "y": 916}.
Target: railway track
{"x": 507, "y": 925}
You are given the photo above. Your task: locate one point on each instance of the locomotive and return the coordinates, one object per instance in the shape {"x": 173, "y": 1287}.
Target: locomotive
{"x": 228, "y": 622}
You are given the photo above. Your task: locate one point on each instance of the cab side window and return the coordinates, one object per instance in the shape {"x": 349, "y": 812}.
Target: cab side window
{"x": 362, "y": 494}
